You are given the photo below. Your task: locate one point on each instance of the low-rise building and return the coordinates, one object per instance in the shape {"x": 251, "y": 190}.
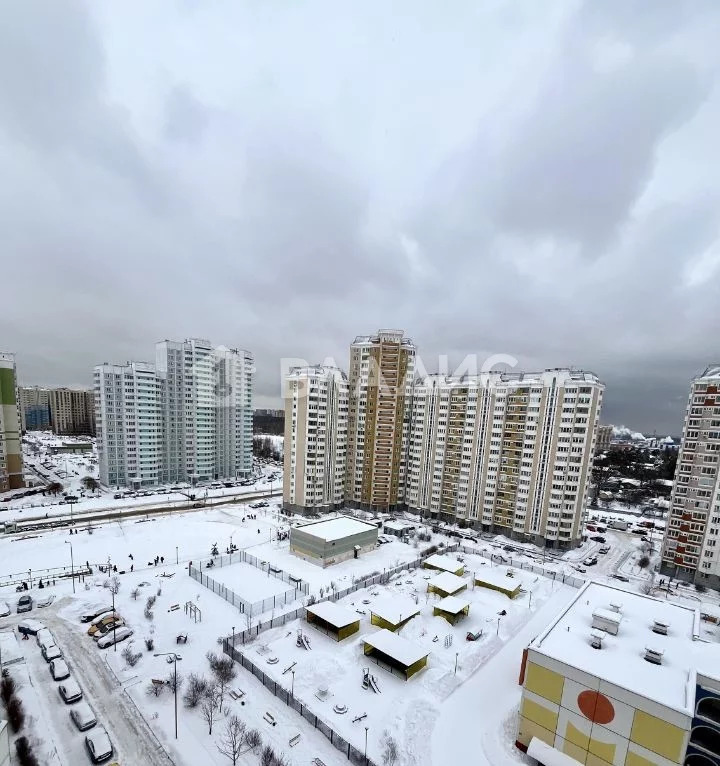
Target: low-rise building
{"x": 333, "y": 540}
{"x": 622, "y": 679}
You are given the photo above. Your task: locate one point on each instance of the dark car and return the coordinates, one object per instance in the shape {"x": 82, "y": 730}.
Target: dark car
{"x": 598, "y": 538}
{"x": 24, "y": 604}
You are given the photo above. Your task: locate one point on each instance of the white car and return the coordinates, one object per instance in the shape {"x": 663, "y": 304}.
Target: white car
{"x": 98, "y": 745}
{"x": 70, "y": 691}
{"x": 82, "y": 716}
{"x": 59, "y": 670}
{"x": 30, "y": 627}
{"x": 51, "y": 653}
{"x": 44, "y": 636}
{"x": 114, "y": 637}
{"x": 4, "y": 609}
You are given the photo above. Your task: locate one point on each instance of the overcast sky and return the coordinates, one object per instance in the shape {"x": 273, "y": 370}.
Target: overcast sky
{"x": 538, "y": 179}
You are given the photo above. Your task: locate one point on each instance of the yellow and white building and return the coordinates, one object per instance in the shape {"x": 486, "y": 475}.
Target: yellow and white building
{"x": 621, "y": 679}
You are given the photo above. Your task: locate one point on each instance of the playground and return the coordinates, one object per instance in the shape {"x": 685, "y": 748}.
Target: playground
{"x": 393, "y": 681}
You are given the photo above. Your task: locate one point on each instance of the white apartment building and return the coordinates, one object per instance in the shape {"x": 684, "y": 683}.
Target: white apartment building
{"x": 382, "y": 367}
{"x": 508, "y": 453}
{"x": 234, "y": 370}
{"x": 691, "y": 549}
{"x": 128, "y": 407}
{"x": 202, "y": 417}
{"x": 316, "y": 418}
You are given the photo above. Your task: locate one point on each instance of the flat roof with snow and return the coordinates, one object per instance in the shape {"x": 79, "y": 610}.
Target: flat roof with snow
{"x": 392, "y": 645}
{"x": 446, "y": 563}
{"x": 621, "y": 661}
{"x": 395, "y": 610}
{"x": 447, "y": 583}
{"x": 498, "y": 578}
{"x": 452, "y": 604}
{"x": 337, "y": 528}
{"x": 334, "y": 615}
{"x": 398, "y": 525}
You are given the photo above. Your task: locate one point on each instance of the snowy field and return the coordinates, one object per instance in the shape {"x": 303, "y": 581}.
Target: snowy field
{"x": 248, "y": 582}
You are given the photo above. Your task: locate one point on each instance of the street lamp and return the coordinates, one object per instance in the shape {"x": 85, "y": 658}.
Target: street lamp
{"x": 292, "y": 688}
{"x": 456, "y": 660}
{"x": 72, "y": 564}
{"x": 175, "y": 659}
{"x": 176, "y": 555}
{"x": 366, "y": 733}
{"x": 233, "y": 642}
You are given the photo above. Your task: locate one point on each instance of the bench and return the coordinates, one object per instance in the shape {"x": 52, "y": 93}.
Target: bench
{"x": 237, "y": 694}
{"x": 317, "y": 762}
{"x": 181, "y": 638}
{"x": 270, "y": 718}
{"x": 294, "y": 740}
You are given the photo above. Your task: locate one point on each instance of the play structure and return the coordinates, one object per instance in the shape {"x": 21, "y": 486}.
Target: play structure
{"x": 369, "y": 681}
{"x": 302, "y": 640}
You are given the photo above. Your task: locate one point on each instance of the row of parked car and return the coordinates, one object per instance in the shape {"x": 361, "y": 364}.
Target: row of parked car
{"x": 107, "y": 628}
{"x": 97, "y": 741}
{"x": 25, "y": 604}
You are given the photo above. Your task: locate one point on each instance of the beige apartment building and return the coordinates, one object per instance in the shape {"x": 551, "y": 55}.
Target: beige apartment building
{"x": 603, "y": 438}
{"x": 11, "y": 461}
{"x": 72, "y": 411}
{"x": 316, "y": 417}
{"x": 381, "y": 372}
{"x": 507, "y": 453}
{"x": 691, "y": 549}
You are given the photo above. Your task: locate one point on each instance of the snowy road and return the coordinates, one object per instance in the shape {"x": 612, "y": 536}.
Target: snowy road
{"x": 133, "y": 741}
{"x": 477, "y": 722}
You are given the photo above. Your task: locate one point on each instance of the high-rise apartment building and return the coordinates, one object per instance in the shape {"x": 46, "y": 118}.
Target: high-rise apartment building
{"x": 691, "y": 549}
{"x": 34, "y": 408}
{"x": 72, "y": 411}
{"x": 603, "y": 438}
{"x": 507, "y": 453}
{"x": 11, "y": 462}
{"x": 316, "y": 417}
{"x": 382, "y": 367}
{"x": 203, "y": 398}
{"x": 128, "y": 406}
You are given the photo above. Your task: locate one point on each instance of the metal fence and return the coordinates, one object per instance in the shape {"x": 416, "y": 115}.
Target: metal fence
{"x": 348, "y": 750}
{"x": 573, "y": 582}
{"x": 243, "y": 557}
{"x": 245, "y": 607}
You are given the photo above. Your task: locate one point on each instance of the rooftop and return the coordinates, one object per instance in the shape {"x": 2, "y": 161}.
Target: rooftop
{"x": 337, "y": 528}
{"x": 334, "y": 615}
{"x": 621, "y": 660}
{"x": 392, "y": 645}
{"x": 446, "y": 563}
{"x": 447, "y": 582}
{"x": 395, "y": 610}
{"x": 452, "y": 604}
{"x": 498, "y": 578}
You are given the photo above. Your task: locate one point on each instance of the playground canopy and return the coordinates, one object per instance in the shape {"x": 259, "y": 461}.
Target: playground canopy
{"x": 548, "y": 755}
{"x": 392, "y": 614}
{"x": 444, "y": 564}
{"x": 395, "y": 653}
{"x": 446, "y": 584}
{"x": 451, "y": 608}
{"x": 333, "y": 620}
{"x": 496, "y": 579}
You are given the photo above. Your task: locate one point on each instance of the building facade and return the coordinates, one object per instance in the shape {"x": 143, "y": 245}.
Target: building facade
{"x": 603, "y": 438}
{"x": 315, "y": 445}
{"x": 194, "y": 414}
{"x": 128, "y": 405}
{"x": 381, "y": 372}
{"x": 72, "y": 411}
{"x": 34, "y": 408}
{"x": 11, "y": 461}
{"x": 506, "y": 453}
{"x": 691, "y": 549}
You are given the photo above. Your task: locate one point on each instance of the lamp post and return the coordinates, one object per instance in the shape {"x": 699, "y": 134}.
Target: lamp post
{"x": 292, "y": 688}
{"x": 175, "y": 660}
{"x": 233, "y": 643}
{"x": 72, "y": 564}
{"x": 498, "y": 627}
{"x": 366, "y": 733}
{"x": 456, "y": 660}
{"x": 177, "y": 561}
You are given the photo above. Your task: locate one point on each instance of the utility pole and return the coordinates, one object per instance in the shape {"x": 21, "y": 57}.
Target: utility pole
{"x": 72, "y": 564}
{"x": 175, "y": 661}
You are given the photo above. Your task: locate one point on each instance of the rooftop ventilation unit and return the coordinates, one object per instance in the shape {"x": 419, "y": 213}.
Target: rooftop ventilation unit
{"x": 596, "y": 639}
{"x": 660, "y": 627}
{"x": 604, "y": 619}
{"x": 653, "y": 655}
{"x": 616, "y": 607}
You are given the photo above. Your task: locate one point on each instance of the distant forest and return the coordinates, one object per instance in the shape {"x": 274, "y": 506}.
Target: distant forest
{"x": 269, "y": 424}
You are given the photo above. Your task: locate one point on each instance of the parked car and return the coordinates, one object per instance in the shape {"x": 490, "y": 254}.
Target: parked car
{"x": 70, "y": 691}
{"x": 114, "y": 637}
{"x": 51, "y": 653}
{"x": 605, "y": 549}
{"x": 582, "y": 570}
{"x": 93, "y": 614}
{"x": 590, "y": 562}
{"x": 82, "y": 716}
{"x": 25, "y": 604}
{"x": 4, "y": 609}
{"x": 41, "y": 603}
{"x": 30, "y": 627}
{"x": 591, "y": 527}
{"x": 45, "y": 639}
{"x": 98, "y": 745}
{"x": 59, "y": 670}
{"x": 622, "y": 578}
{"x": 638, "y": 531}
{"x": 598, "y": 538}
{"x": 107, "y": 627}
{"x": 104, "y": 619}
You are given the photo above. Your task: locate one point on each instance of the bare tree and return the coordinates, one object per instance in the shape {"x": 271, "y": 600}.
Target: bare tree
{"x": 390, "y": 751}
{"x": 644, "y": 562}
{"x": 195, "y": 690}
{"x": 209, "y": 706}
{"x": 253, "y": 739}
{"x": 232, "y": 740}
{"x": 223, "y": 669}
{"x": 267, "y": 757}
{"x": 114, "y": 585}
{"x": 173, "y": 680}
